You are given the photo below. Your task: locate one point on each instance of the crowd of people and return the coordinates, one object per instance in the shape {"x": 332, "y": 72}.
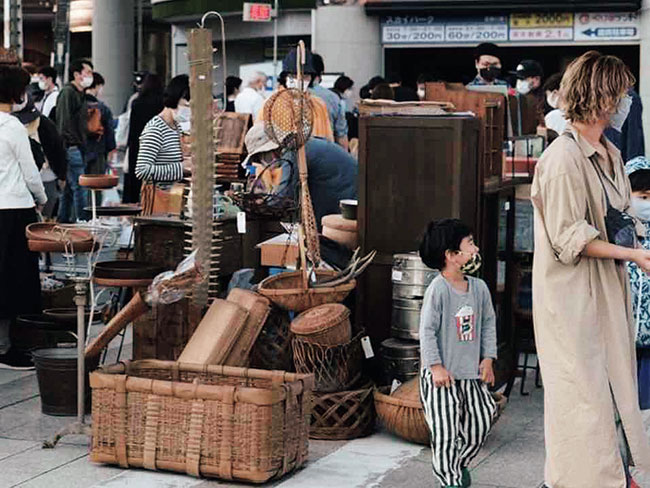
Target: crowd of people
{"x": 591, "y": 195}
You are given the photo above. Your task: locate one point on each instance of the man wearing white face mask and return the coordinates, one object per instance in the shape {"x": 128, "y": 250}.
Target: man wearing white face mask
{"x": 251, "y": 99}
{"x": 626, "y": 127}
{"x": 47, "y": 83}
{"x": 72, "y": 122}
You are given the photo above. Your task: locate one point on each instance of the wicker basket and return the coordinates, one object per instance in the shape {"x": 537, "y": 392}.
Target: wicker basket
{"x": 273, "y": 350}
{"x": 335, "y": 368}
{"x": 285, "y": 290}
{"x": 218, "y": 421}
{"x": 343, "y": 415}
{"x": 402, "y": 417}
{"x": 326, "y": 324}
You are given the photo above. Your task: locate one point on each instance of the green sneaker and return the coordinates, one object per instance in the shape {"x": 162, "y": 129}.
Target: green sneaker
{"x": 467, "y": 479}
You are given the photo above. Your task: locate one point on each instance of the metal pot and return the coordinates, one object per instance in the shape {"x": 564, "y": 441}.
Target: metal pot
{"x": 401, "y": 359}
{"x": 411, "y": 276}
{"x": 406, "y": 318}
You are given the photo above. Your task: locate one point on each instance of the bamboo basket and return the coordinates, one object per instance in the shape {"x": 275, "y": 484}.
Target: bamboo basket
{"x": 343, "y": 415}
{"x": 335, "y": 368}
{"x": 272, "y": 350}
{"x": 216, "y": 421}
{"x": 326, "y": 324}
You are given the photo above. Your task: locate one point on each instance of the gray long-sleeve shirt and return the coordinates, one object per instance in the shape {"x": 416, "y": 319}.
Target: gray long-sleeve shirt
{"x": 457, "y": 329}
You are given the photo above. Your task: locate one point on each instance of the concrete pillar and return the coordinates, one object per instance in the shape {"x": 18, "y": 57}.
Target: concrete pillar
{"x": 349, "y": 41}
{"x": 113, "y": 49}
{"x": 644, "y": 69}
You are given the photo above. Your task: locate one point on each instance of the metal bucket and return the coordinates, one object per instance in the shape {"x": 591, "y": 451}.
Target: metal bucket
{"x": 410, "y": 276}
{"x": 39, "y": 331}
{"x": 56, "y": 370}
{"x": 405, "y": 322}
{"x": 401, "y": 359}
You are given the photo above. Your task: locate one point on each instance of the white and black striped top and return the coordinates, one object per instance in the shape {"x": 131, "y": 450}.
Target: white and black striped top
{"x": 160, "y": 157}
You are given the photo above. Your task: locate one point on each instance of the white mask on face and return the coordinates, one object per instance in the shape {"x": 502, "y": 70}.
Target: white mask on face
{"x": 523, "y": 87}
{"x": 35, "y": 79}
{"x": 553, "y": 99}
{"x": 293, "y": 83}
{"x": 42, "y": 85}
{"x": 347, "y": 94}
{"x": 182, "y": 115}
{"x": 86, "y": 81}
{"x": 641, "y": 208}
{"x": 421, "y": 93}
{"x": 618, "y": 118}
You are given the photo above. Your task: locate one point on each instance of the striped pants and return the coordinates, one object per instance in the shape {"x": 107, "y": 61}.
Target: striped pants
{"x": 459, "y": 419}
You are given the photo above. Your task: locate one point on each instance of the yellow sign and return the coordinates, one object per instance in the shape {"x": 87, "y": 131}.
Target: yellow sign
{"x": 550, "y": 20}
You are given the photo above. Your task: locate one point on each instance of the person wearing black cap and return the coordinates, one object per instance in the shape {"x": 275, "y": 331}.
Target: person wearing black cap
{"x": 488, "y": 66}
{"x": 529, "y": 75}
{"x": 322, "y": 126}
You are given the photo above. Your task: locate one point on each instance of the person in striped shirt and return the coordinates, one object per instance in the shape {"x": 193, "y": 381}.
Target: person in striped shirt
{"x": 160, "y": 158}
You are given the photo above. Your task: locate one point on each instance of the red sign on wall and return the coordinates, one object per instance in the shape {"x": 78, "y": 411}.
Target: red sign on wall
{"x": 257, "y": 12}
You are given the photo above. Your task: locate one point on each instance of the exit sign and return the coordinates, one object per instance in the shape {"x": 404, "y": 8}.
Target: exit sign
{"x": 257, "y": 12}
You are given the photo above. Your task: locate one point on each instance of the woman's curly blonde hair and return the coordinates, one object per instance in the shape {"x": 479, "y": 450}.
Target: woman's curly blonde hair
{"x": 593, "y": 86}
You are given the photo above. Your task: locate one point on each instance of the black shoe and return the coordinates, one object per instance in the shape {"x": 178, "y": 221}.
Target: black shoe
{"x": 16, "y": 360}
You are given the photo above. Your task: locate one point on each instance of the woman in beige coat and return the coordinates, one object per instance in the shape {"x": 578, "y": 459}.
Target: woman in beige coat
{"x": 581, "y": 296}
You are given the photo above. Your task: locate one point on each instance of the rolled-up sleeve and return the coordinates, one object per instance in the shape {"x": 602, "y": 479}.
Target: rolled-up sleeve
{"x": 564, "y": 209}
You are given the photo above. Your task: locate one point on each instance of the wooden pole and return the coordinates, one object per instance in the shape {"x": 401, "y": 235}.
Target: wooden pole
{"x": 200, "y": 54}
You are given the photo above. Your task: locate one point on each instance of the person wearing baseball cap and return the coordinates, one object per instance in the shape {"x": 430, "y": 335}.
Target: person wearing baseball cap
{"x": 529, "y": 75}
{"x": 487, "y": 60}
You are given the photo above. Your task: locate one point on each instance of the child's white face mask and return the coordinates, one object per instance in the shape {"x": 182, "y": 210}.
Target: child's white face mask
{"x": 641, "y": 208}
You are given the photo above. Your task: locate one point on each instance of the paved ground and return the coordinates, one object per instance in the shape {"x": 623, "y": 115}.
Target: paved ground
{"x": 512, "y": 458}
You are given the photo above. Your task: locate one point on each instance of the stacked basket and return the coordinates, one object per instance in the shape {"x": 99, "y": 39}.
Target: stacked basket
{"x": 343, "y": 405}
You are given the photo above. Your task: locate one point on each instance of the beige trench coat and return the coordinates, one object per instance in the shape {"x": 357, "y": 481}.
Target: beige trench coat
{"x": 583, "y": 322}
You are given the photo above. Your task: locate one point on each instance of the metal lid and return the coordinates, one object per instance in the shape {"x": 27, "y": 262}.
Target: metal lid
{"x": 409, "y": 256}
{"x": 393, "y": 343}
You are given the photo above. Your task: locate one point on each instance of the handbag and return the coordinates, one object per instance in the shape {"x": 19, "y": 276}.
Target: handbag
{"x": 620, "y": 226}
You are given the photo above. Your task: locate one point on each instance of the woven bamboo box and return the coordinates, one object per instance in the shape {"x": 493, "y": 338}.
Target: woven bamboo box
{"x": 214, "y": 421}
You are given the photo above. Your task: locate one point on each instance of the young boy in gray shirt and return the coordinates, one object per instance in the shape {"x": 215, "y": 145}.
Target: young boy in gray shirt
{"x": 457, "y": 348}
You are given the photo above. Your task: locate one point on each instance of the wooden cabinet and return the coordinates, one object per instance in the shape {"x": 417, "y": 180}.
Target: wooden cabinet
{"x": 411, "y": 170}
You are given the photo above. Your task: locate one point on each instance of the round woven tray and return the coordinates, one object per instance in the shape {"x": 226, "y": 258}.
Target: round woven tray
{"x": 326, "y": 324}
{"x": 285, "y": 290}
{"x": 343, "y": 415}
{"x": 335, "y": 368}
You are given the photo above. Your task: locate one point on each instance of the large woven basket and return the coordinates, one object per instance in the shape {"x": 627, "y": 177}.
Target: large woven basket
{"x": 335, "y": 368}
{"x": 217, "y": 421}
{"x": 402, "y": 417}
{"x": 286, "y": 291}
{"x": 343, "y": 415}
{"x": 326, "y": 324}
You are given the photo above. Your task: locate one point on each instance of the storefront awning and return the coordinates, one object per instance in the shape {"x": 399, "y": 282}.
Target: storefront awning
{"x": 483, "y": 7}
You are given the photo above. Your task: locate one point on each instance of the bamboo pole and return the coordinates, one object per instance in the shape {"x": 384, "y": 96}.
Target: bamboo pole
{"x": 200, "y": 54}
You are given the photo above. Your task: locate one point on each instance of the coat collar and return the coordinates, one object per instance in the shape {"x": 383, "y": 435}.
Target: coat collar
{"x": 587, "y": 149}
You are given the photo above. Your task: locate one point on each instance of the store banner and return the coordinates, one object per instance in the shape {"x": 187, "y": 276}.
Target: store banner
{"x": 515, "y": 28}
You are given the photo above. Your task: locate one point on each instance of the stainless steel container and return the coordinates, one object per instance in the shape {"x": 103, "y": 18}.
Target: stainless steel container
{"x": 410, "y": 276}
{"x": 405, "y": 322}
{"x": 401, "y": 359}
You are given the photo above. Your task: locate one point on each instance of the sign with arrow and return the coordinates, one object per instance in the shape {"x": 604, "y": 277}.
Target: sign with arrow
{"x": 607, "y": 26}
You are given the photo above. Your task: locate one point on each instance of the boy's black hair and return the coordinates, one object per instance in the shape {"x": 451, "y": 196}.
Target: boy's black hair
{"x": 640, "y": 180}
{"x": 178, "y": 87}
{"x": 439, "y": 237}
{"x": 48, "y": 72}
{"x": 77, "y": 66}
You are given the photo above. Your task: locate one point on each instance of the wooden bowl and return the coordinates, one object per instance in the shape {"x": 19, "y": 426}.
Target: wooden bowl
{"x": 98, "y": 181}
{"x": 37, "y": 245}
{"x": 41, "y": 231}
{"x": 285, "y": 290}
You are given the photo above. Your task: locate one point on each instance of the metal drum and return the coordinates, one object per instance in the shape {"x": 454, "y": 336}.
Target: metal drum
{"x": 410, "y": 276}
{"x": 405, "y": 322}
{"x": 401, "y": 359}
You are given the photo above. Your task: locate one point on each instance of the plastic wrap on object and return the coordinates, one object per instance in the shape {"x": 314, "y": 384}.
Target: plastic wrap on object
{"x": 172, "y": 286}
